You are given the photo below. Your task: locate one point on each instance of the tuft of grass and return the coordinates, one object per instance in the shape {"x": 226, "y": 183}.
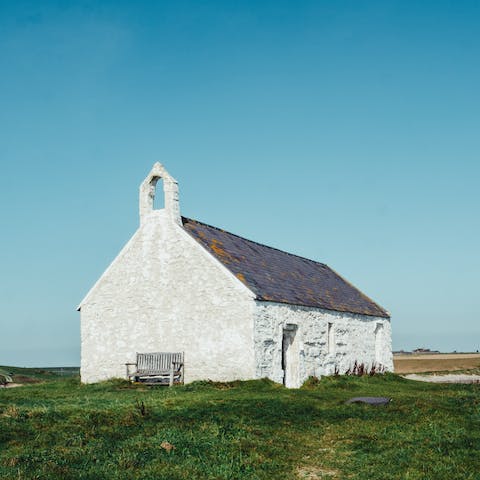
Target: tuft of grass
{"x": 60, "y": 429}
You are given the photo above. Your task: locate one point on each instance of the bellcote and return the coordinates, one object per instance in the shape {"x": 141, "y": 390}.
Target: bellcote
{"x": 170, "y": 191}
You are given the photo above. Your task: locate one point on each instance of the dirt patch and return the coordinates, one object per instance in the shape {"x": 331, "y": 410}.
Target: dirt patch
{"x": 436, "y": 362}
{"x": 314, "y": 473}
{"x": 24, "y": 379}
{"x": 12, "y": 385}
{"x": 451, "y": 378}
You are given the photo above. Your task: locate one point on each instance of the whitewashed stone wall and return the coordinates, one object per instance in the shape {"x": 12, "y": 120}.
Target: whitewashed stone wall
{"x": 355, "y": 339}
{"x": 164, "y": 292}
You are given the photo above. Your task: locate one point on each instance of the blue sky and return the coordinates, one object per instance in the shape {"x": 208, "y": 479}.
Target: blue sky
{"x": 347, "y": 132}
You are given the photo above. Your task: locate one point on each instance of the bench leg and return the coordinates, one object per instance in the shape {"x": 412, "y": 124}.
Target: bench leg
{"x": 170, "y": 381}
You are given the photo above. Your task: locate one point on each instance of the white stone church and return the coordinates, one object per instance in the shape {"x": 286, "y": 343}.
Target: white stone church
{"x": 236, "y": 308}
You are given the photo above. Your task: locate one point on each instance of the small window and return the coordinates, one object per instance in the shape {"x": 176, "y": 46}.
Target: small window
{"x": 378, "y": 342}
{"x": 330, "y": 338}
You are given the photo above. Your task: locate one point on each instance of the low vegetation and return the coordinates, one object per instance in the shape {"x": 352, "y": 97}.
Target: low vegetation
{"x": 5, "y": 378}
{"x": 60, "y": 429}
{"x": 19, "y": 375}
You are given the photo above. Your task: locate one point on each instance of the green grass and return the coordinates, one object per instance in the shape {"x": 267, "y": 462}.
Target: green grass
{"x": 60, "y": 429}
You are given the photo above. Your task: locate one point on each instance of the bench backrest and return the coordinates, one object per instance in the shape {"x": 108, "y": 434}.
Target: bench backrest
{"x": 158, "y": 362}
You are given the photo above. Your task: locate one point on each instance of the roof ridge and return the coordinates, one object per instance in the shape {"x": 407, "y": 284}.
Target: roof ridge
{"x": 256, "y": 243}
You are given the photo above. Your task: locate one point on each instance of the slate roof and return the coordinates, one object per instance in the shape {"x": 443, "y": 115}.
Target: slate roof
{"x": 277, "y": 276}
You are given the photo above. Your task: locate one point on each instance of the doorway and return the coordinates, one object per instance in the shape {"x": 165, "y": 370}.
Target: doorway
{"x": 290, "y": 356}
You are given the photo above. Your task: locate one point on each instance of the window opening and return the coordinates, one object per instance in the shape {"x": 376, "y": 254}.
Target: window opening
{"x": 330, "y": 338}
{"x": 378, "y": 342}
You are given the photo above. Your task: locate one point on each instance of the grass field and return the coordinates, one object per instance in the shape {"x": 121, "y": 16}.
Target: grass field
{"x": 59, "y": 429}
{"x": 443, "y": 362}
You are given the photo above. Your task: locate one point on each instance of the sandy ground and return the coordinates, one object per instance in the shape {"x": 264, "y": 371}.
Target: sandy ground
{"x": 448, "y": 378}
{"x": 13, "y": 385}
{"x": 435, "y": 362}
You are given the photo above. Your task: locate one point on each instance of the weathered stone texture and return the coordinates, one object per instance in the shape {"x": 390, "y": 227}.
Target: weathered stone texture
{"x": 170, "y": 193}
{"x": 164, "y": 292}
{"x": 354, "y": 340}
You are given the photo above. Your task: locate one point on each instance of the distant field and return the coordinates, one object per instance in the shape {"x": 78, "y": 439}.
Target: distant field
{"x": 442, "y": 362}
{"x": 33, "y": 375}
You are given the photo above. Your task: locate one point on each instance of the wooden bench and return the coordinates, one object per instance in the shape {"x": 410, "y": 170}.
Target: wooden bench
{"x": 158, "y": 368}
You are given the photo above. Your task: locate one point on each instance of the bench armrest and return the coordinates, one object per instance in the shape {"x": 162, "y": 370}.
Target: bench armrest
{"x": 128, "y": 365}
